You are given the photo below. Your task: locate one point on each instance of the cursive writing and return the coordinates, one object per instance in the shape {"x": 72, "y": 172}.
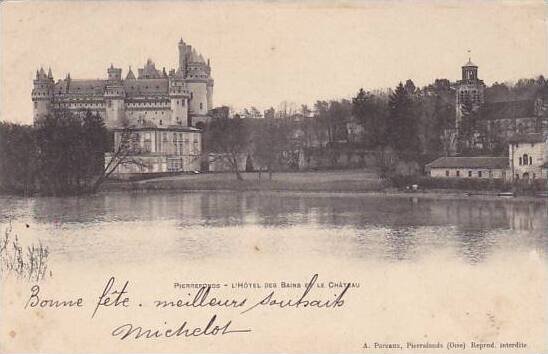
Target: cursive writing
{"x": 130, "y": 331}
{"x": 303, "y": 301}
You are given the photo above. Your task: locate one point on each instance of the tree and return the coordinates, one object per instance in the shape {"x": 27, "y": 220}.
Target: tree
{"x": 17, "y": 158}
{"x": 270, "y": 113}
{"x": 228, "y": 139}
{"x": 70, "y": 151}
{"x": 338, "y": 114}
{"x": 401, "y": 127}
{"x": 270, "y": 142}
{"x": 122, "y": 154}
{"x": 360, "y": 107}
{"x": 410, "y": 87}
{"x": 370, "y": 111}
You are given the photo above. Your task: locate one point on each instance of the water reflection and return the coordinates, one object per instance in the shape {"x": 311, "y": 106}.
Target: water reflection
{"x": 204, "y": 224}
{"x": 226, "y": 209}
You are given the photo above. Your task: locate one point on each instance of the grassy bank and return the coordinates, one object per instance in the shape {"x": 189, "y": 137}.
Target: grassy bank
{"x": 349, "y": 181}
{"x": 336, "y": 181}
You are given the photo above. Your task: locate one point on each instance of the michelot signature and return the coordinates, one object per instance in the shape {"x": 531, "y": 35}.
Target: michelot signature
{"x": 117, "y": 295}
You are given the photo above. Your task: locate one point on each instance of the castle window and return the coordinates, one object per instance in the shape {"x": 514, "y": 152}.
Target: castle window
{"x": 469, "y": 173}
{"x": 525, "y": 159}
{"x": 160, "y": 122}
{"x": 520, "y": 161}
{"x": 479, "y": 174}
{"x": 446, "y": 173}
{"x": 201, "y": 105}
{"x": 530, "y": 160}
{"x": 458, "y": 173}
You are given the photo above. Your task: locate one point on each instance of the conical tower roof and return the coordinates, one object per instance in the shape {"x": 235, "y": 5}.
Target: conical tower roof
{"x": 130, "y": 75}
{"x": 470, "y": 64}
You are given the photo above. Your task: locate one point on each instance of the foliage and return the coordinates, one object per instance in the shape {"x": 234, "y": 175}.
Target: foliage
{"x": 270, "y": 142}
{"x": 61, "y": 154}
{"x": 17, "y": 158}
{"x": 31, "y": 264}
{"x": 469, "y": 184}
{"x": 227, "y": 139}
{"x": 70, "y": 151}
{"x": 401, "y": 125}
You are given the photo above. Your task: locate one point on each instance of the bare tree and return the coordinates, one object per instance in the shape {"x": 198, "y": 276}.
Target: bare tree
{"x": 228, "y": 139}
{"x": 123, "y": 155}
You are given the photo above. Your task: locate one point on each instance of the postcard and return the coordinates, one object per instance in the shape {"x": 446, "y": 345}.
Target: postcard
{"x": 273, "y": 177}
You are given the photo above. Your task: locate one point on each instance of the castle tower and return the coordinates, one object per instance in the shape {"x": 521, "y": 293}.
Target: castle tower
{"x": 197, "y": 79}
{"x": 114, "y": 98}
{"x": 209, "y": 87}
{"x": 42, "y": 93}
{"x": 182, "y": 57}
{"x": 178, "y": 97}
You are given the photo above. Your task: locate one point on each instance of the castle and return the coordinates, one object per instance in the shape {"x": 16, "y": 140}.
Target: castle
{"x": 153, "y": 98}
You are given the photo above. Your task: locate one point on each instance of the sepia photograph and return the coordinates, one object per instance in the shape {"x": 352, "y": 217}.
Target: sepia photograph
{"x": 273, "y": 176}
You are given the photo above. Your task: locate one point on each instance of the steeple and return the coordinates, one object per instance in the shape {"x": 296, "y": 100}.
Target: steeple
{"x": 50, "y": 75}
{"x": 130, "y": 75}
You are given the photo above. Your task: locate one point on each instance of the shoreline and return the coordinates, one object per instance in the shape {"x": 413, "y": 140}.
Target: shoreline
{"x": 334, "y": 182}
{"x": 359, "y": 182}
{"x": 439, "y": 194}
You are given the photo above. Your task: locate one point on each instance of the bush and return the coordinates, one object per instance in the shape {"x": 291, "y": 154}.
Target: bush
{"x": 525, "y": 187}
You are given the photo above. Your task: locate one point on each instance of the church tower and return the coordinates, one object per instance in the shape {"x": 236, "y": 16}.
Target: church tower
{"x": 469, "y": 89}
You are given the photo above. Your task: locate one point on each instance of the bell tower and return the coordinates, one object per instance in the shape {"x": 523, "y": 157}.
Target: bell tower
{"x": 469, "y": 90}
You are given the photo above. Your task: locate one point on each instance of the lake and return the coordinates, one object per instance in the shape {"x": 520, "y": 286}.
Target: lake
{"x": 114, "y": 227}
{"x": 426, "y": 269}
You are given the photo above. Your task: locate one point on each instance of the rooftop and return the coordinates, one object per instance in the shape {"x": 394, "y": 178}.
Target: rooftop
{"x": 469, "y": 63}
{"x": 527, "y": 138}
{"x": 508, "y": 109}
{"x": 170, "y": 128}
{"x": 469, "y": 162}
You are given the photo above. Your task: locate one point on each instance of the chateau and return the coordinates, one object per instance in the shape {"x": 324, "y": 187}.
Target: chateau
{"x": 153, "y": 98}
{"x": 155, "y": 113}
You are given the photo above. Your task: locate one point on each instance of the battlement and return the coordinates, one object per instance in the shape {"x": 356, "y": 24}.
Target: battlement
{"x": 152, "y": 96}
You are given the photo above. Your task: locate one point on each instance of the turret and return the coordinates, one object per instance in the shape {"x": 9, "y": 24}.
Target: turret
{"x": 182, "y": 56}
{"x": 114, "y": 97}
{"x": 42, "y": 93}
{"x": 114, "y": 74}
{"x": 130, "y": 75}
{"x": 178, "y": 97}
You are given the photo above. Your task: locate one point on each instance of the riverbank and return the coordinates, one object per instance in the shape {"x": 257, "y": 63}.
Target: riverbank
{"x": 333, "y": 181}
{"x": 340, "y": 181}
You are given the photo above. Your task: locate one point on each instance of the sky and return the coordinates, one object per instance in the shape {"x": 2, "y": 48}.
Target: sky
{"x": 263, "y": 53}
